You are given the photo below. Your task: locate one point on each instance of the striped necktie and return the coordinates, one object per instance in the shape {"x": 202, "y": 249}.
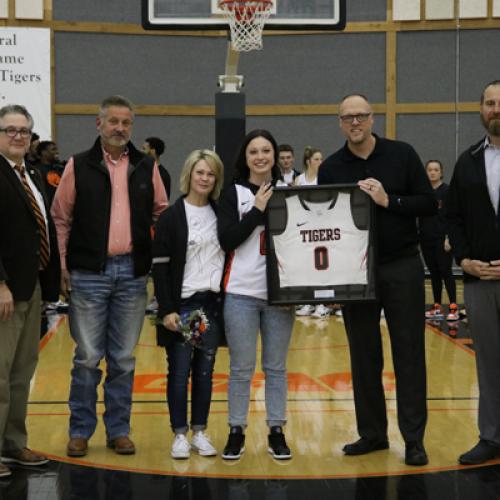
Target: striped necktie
{"x": 44, "y": 243}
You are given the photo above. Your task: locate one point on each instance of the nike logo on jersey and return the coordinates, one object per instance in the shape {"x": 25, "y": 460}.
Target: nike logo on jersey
{"x": 244, "y": 202}
{"x": 302, "y": 223}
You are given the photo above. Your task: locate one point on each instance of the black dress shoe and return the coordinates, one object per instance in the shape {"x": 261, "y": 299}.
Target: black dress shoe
{"x": 415, "y": 454}
{"x": 364, "y": 445}
{"x": 482, "y": 452}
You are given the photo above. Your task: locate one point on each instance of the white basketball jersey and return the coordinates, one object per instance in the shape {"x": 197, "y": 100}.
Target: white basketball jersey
{"x": 320, "y": 245}
{"x": 246, "y": 270}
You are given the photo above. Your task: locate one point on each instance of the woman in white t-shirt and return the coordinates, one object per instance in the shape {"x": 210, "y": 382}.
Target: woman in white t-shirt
{"x": 187, "y": 271}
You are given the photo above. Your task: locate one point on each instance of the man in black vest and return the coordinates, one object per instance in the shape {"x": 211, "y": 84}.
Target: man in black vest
{"x": 29, "y": 272}
{"x": 104, "y": 207}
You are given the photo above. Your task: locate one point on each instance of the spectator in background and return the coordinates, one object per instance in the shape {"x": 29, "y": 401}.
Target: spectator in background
{"x": 32, "y": 156}
{"x": 436, "y": 248}
{"x": 286, "y": 161}
{"x": 311, "y": 161}
{"x": 155, "y": 147}
{"x": 50, "y": 167}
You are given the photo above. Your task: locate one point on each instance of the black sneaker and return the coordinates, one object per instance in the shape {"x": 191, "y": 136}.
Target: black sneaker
{"x": 277, "y": 444}
{"x": 235, "y": 445}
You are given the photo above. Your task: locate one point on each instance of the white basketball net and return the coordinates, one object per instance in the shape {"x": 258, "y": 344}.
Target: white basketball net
{"x": 246, "y": 20}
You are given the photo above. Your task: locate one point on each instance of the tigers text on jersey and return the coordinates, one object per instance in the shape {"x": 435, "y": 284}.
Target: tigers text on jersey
{"x": 320, "y": 245}
{"x": 246, "y": 270}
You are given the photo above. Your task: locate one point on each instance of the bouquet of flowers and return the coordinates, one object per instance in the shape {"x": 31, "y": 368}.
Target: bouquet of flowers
{"x": 192, "y": 326}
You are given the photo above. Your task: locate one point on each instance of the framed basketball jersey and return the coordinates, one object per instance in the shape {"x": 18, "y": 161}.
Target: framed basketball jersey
{"x": 320, "y": 245}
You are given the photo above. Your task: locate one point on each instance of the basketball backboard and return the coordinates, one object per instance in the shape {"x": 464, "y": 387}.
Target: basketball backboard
{"x": 206, "y": 15}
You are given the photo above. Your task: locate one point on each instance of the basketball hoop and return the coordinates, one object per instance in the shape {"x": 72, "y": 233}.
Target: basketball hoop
{"x": 246, "y": 20}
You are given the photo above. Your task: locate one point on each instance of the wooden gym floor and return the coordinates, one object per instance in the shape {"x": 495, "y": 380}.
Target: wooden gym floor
{"x": 321, "y": 421}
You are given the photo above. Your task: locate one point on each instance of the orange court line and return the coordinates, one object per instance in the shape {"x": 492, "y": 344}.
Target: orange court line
{"x": 223, "y": 412}
{"x": 464, "y": 341}
{"x": 45, "y": 339}
{"x": 456, "y": 342}
{"x": 413, "y": 470}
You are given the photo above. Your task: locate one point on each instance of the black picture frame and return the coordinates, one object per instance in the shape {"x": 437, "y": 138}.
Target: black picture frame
{"x": 363, "y": 214}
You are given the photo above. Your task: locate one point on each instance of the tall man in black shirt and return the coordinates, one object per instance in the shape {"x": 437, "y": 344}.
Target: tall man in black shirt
{"x": 391, "y": 173}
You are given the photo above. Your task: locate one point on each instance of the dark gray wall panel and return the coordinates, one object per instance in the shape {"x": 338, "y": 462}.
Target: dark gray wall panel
{"x": 479, "y": 61}
{"x": 441, "y": 137}
{"x": 184, "y": 70}
{"x": 147, "y": 69}
{"x": 106, "y": 11}
{"x": 433, "y": 137}
{"x": 366, "y": 10}
{"x": 315, "y": 69}
{"x": 471, "y": 130}
{"x": 426, "y": 63}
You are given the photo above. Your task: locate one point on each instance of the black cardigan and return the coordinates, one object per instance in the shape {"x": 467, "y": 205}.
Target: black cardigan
{"x": 473, "y": 225}
{"x": 170, "y": 244}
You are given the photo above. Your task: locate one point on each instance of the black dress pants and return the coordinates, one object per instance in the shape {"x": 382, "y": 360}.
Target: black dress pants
{"x": 400, "y": 286}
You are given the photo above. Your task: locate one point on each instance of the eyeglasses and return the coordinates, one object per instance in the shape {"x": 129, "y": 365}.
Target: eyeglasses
{"x": 13, "y": 131}
{"x": 361, "y": 117}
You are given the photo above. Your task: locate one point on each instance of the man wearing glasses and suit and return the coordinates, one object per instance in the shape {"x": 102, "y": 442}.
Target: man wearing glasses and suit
{"x": 29, "y": 273}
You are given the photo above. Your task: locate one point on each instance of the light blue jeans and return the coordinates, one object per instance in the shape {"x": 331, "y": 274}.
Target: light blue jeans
{"x": 106, "y": 314}
{"x": 244, "y": 316}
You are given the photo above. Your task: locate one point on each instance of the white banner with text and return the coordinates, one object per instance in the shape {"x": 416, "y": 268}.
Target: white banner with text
{"x": 25, "y": 74}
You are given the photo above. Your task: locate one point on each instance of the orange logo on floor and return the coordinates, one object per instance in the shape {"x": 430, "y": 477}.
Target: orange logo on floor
{"x": 297, "y": 382}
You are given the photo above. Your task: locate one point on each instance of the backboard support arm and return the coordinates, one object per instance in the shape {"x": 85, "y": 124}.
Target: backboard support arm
{"x": 231, "y": 81}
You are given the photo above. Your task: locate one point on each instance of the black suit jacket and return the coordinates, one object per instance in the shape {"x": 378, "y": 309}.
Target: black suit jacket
{"x": 20, "y": 240}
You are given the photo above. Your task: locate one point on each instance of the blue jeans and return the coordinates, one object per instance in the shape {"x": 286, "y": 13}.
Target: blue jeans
{"x": 106, "y": 314}
{"x": 184, "y": 359}
{"x": 244, "y": 316}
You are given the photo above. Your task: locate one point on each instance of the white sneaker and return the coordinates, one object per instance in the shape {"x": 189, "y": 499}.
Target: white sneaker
{"x": 152, "y": 307}
{"x": 180, "y": 447}
{"x": 338, "y": 312}
{"x": 320, "y": 312}
{"x": 305, "y": 310}
{"x": 201, "y": 443}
